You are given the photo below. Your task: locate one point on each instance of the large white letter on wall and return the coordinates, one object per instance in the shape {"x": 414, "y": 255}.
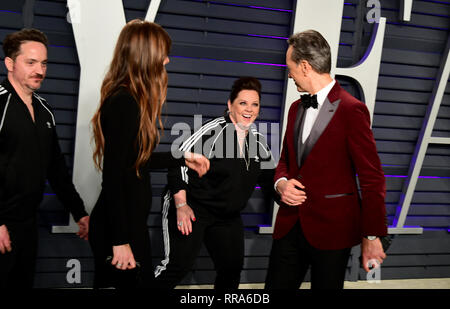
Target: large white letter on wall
{"x": 96, "y": 27}
{"x": 424, "y": 140}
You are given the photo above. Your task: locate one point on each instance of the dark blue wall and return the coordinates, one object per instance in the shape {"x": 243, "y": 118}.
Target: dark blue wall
{"x": 218, "y": 41}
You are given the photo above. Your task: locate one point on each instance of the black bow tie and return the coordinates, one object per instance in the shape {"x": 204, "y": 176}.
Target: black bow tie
{"x": 309, "y": 101}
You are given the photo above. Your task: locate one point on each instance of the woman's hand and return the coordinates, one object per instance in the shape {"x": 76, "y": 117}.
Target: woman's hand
{"x": 123, "y": 257}
{"x": 196, "y": 162}
{"x": 185, "y": 214}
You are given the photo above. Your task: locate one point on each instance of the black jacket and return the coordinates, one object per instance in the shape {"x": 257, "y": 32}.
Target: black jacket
{"x": 225, "y": 189}
{"x": 120, "y": 214}
{"x": 29, "y": 155}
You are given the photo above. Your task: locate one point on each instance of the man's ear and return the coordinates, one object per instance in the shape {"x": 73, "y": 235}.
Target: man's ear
{"x": 9, "y": 63}
{"x": 305, "y": 67}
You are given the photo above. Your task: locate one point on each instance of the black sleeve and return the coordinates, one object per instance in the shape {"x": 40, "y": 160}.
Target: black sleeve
{"x": 177, "y": 179}
{"x": 164, "y": 160}
{"x": 120, "y": 124}
{"x": 177, "y": 176}
{"x": 61, "y": 182}
{"x": 2, "y": 164}
{"x": 267, "y": 172}
{"x": 265, "y": 181}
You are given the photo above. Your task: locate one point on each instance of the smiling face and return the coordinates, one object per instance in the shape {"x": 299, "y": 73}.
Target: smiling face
{"x": 28, "y": 70}
{"x": 245, "y": 108}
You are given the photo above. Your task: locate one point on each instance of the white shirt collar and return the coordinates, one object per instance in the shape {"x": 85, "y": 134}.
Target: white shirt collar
{"x": 323, "y": 93}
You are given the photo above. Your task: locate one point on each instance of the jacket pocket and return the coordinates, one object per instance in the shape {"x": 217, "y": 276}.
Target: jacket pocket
{"x": 338, "y": 195}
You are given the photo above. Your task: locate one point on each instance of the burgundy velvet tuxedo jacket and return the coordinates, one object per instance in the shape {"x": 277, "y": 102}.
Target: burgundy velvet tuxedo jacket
{"x": 340, "y": 148}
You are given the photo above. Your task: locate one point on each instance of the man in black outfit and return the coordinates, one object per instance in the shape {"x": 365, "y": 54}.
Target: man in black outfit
{"x": 29, "y": 155}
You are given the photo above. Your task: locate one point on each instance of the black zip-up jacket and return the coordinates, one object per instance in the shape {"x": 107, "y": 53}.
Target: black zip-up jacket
{"x": 225, "y": 189}
{"x": 29, "y": 155}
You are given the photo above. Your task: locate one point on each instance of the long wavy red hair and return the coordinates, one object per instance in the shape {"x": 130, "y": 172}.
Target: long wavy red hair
{"x": 138, "y": 65}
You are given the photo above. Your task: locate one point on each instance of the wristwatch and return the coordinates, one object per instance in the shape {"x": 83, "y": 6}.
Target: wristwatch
{"x": 371, "y": 237}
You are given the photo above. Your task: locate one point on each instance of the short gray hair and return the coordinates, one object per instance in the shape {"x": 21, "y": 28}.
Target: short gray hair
{"x": 311, "y": 46}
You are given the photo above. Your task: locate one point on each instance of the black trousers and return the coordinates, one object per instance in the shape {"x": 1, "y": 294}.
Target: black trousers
{"x": 223, "y": 238}
{"x": 292, "y": 255}
{"x": 17, "y": 267}
{"x": 106, "y": 275}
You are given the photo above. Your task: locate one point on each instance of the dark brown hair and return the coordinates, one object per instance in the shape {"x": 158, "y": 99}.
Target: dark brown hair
{"x": 13, "y": 41}
{"x": 137, "y": 65}
{"x": 244, "y": 83}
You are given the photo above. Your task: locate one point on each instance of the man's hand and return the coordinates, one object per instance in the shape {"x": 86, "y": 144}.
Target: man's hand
{"x": 291, "y": 192}
{"x": 83, "y": 232}
{"x": 196, "y": 162}
{"x": 5, "y": 242}
{"x": 372, "y": 251}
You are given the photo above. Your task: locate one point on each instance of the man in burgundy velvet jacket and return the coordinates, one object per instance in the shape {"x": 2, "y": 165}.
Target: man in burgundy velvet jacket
{"x": 328, "y": 144}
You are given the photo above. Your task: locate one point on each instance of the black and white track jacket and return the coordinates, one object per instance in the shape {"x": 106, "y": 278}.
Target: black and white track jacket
{"x": 29, "y": 155}
{"x": 232, "y": 178}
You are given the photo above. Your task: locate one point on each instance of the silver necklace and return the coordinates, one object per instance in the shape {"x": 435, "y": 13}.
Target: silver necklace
{"x": 247, "y": 162}
{"x": 244, "y": 138}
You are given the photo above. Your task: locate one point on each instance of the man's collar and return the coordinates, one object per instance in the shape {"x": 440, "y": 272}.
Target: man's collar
{"x": 7, "y": 85}
{"x": 10, "y": 88}
{"x": 322, "y": 94}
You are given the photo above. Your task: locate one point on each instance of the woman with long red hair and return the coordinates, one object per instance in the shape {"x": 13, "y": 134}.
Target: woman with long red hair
{"x": 125, "y": 129}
